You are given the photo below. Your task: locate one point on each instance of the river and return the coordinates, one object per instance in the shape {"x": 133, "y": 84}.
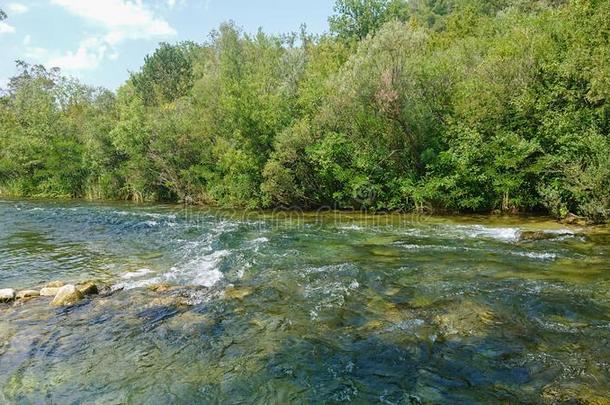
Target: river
{"x": 285, "y": 307}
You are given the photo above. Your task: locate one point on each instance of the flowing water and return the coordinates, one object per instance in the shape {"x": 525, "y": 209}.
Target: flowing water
{"x": 289, "y": 308}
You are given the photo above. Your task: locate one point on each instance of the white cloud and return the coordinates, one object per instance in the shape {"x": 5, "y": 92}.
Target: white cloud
{"x": 90, "y": 53}
{"x": 16, "y": 8}
{"x": 6, "y": 28}
{"x": 119, "y": 20}
{"x": 171, "y": 3}
{"x": 88, "y": 56}
{"x": 122, "y": 19}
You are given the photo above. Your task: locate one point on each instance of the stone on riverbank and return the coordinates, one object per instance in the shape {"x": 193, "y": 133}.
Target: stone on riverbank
{"x": 27, "y": 294}
{"x": 88, "y": 289}
{"x": 49, "y": 291}
{"x": 7, "y": 295}
{"x": 67, "y": 295}
{"x": 572, "y": 219}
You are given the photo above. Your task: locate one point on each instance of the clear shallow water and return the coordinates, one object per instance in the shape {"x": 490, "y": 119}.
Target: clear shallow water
{"x": 305, "y": 309}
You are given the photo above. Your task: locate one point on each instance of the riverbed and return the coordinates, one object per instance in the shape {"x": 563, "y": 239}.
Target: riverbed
{"x": 290, "y": 307}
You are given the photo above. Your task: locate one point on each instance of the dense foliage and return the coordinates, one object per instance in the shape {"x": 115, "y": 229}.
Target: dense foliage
{"x": 433, "y": 105}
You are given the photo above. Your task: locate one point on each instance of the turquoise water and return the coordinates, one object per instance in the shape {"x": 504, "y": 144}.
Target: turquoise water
{"x": 302, "y": 308}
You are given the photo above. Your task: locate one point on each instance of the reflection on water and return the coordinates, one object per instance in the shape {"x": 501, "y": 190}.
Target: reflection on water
{"x": 318, "y": 308}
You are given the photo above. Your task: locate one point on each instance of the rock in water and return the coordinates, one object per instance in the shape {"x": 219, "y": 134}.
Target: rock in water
{"x": 238, "y": 293}
{"x": 88, "y": 289}
{"x": 49, "y": 291}
{"x": 527, "y": 236}
{"x": 465, "y": 318}
{"x": 572, "y": 219}
{"x": 533, "y": 235}
{"x": 67, "y": 295}
{"x": 7, "y": 295}
{"x": 55, "y": 284}
{"x": 159, "y": 288}
{"x": 28, "y": 294}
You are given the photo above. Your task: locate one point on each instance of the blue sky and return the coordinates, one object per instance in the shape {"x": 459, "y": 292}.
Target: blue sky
{"x": 100, "y": 41}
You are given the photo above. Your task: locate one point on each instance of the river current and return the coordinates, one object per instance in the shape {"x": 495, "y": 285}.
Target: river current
{"x": 288, "y": 307}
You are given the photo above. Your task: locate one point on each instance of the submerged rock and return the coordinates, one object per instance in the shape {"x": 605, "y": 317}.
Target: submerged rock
{"x": 573, "y": 394}
{"x": 572, "y": 219}
{"x": 237, "y": 293}
{"x": 159, "y": 288}
{"x": 420, "y": 301}
{"x": 27, "y": 294}
{"x": 88, "y": 289}
{"x": 49, "y": 291}
{"x": 526, "y": 236}
{"x": 373, "y": 325}
{"x": 169, "y": 301}
{"x": 466, "y": 318}
{"x": 67, "y": 295}
{"x": 7, "y": 295}
{"x": 108, "y": 290}
{"x": 533, "y": 235}
{"x": 191, "y": 322}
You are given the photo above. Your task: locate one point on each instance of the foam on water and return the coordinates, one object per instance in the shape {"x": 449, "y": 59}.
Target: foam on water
{"x": 352, "y": 227}
{"x": 411, "y": 246}
{"x": 479, "y": 231}
{"x": 202, "y": 271}
{"x": 136, "y": 274}
{"x": 138, "y": 283}
{"x": 257, "y": 243}
{"x": 154, "y": 215}
{"x": 193, "y": 262}
{"x": 329, "y": 286}
{"x": 503, "y": 234}
{"x": 537, "y": 255}
{"x": 528, "y": 254}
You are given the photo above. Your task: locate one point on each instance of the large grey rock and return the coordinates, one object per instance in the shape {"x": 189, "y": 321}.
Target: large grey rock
{"x": 7, "y": 295}
{"x": 67, "y": 295}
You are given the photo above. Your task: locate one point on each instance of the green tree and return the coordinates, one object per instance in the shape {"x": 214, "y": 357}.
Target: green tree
{"x": 356, "y": 19}
{"x": 166, "y": 75}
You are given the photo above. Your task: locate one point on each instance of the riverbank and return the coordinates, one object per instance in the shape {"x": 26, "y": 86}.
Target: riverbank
{"x": 530, "y": 218}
